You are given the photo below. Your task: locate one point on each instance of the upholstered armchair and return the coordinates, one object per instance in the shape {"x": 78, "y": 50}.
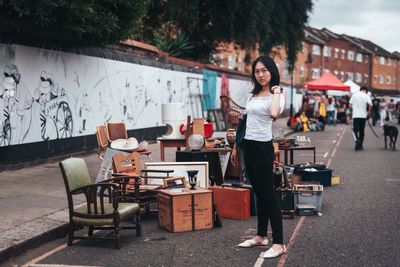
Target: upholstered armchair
{"x": 102, "y": 209}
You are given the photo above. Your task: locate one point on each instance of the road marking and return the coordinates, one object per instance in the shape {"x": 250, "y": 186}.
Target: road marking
{"x": 338, "y": 134}
{"x": 45, "y": 255}
{"x": 296, "y": 231}
{"x": 259, "y": 260}
{"x": 326, "y": 154}
{"x": 333, "y": 152}
{"x": 334, "y": 141}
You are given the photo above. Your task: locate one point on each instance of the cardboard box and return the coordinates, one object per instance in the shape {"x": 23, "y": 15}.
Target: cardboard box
{"x": 335, "y": 180}
{"x": 232, "y": 202}
{"x": 182, "y": 209}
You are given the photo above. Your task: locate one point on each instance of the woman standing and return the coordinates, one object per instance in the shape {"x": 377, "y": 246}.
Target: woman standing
{"x": 265, "y": 104}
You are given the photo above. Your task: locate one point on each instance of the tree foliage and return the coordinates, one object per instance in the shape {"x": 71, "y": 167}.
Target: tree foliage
{"x": 206, "y": 23}
{"x": 92, "y": 22}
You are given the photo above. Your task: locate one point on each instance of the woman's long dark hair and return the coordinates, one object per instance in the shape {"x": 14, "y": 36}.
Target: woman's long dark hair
{"x": 271, "y": 66}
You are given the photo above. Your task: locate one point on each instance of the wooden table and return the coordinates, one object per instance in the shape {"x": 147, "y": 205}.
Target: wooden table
{"x": 291, "y": 149}
{"x": 165, "y": 142}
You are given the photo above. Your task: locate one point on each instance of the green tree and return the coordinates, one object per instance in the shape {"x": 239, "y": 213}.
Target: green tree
{"x": 206, "y": 23}
{"x": 93, "y": 22}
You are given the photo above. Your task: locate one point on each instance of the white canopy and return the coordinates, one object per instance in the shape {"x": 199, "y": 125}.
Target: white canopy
{"x": 354, "y": 88}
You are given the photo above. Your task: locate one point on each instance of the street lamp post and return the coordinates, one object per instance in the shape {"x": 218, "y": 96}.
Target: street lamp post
{"x": 291, "y": 94}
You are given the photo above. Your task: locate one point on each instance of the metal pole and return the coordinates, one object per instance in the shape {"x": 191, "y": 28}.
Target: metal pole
{"x": 291, "y": 94}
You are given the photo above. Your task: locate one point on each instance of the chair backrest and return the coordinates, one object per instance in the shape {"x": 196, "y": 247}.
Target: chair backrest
{"x": 75, "y": 173}
{"x": 116, "y": 130}
{"x": 102, "y": 140}
{"x": 127, "y": 163}
{"x": 233, "y": 111}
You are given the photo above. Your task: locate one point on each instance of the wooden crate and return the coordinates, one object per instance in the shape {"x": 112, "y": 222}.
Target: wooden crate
{"x": 232, "y": 202}
{"x": 176, "y": 212}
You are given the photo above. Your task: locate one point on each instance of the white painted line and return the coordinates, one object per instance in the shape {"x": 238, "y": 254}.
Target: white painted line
{"x": 259, "y": 260}
{"x": 338, "y": 134}
{"x": 333, "y": 152}
{"x": 60, "y": 265}
{"x": 334, "y": 141}
{"x": 326, "y": 154}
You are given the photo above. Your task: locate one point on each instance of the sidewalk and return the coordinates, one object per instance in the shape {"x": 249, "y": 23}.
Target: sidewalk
{"x": 34, "y": 205}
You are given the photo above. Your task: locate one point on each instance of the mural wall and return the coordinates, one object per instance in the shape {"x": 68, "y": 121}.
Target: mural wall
{"x": 48, "y": 95}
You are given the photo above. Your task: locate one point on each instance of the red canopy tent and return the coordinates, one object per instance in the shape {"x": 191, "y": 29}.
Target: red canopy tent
{"x": 328, "y": 81}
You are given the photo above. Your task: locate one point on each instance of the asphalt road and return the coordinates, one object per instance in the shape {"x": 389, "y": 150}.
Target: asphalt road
{"x": 359, "y": 225}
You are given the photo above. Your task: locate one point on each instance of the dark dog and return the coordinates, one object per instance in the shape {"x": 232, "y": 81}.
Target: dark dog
{"x": 392, "y": 132}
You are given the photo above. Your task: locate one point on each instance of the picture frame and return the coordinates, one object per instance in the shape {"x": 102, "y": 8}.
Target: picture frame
{"x": 180, "y": 170}
{"x": 175, "y": 182}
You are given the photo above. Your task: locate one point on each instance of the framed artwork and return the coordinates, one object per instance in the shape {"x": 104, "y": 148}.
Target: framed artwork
{"x": 175, "y": 182}
{"x": 180, "y": 170}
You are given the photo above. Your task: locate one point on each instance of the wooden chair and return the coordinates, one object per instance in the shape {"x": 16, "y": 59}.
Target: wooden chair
{"x": 140, "y": 191}
{"x": 102, "y": 140}
{"x": 102, "y": 210}
{"x": 232, "y": 111}
{"x": 116, "y": 130}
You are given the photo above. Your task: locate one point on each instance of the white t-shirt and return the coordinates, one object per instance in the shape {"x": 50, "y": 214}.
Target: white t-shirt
{"x": 359, "y": 102}
{"x": 259, "y": 121}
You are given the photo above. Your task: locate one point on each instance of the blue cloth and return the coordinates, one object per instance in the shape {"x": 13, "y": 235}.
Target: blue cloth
{"x": 209, "y": 89}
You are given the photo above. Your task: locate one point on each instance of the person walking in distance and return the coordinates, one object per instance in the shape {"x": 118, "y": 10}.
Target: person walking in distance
{"x": 266, "y": 102}
{"x": 361, "y": 104}
{"x": 375, "y": 110}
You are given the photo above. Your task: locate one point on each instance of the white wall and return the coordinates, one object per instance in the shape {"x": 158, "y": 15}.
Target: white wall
{"x": 61, "y": 95}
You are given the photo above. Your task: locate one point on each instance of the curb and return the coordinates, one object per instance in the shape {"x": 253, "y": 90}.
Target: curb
{"x": 32, "y": 234}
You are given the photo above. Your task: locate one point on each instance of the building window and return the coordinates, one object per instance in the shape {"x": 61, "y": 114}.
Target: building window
{"x": 366, "y": 58}
{"x": 389, "y": 62}
{"x": 327, "y": 51}
{"x": 336, "y": 53}
{"x": 301, "y": 71}
{"x": 382, "y": 60}
{"x": 286, "y": 74}
{"x": 381, "y": 79}
{"x": 350, "y": 55}
{"x": 231, "y": 62}
{"x": 388, "y": 80}
{"x": 343, "y": 53}
{"x": 350, "y": 76}
{"x": 365, "y": 78}
{"x": 316, "y": 50}
{"x": 315, "y": 73}
{"x": 358, "y": 77}
{"x": 335, "y": 72}
{"x": 359, "y": 57}
{"x": 342, "y": 75}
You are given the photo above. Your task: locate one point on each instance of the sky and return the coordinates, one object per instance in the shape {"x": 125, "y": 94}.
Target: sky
{"x": 374, "y": 20}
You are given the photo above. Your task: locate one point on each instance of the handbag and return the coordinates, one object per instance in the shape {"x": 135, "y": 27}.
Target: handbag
{"x": 241, "y": 130}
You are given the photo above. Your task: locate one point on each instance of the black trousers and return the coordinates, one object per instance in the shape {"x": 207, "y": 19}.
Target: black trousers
{"x": 358, "y": 129}
{"x": 258, "y": 159}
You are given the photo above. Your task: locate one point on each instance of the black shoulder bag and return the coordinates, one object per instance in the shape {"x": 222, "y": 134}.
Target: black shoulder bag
{"x": 241, "y": 130}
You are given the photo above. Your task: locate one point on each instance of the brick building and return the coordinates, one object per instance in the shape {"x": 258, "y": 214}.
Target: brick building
{"x": 347, "y": 57}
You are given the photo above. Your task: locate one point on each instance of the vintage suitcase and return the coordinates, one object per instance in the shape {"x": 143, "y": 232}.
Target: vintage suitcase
{"x": 253, "y": 199}
{"x": 232, "y": 202}
{"x": 182, "y": 209}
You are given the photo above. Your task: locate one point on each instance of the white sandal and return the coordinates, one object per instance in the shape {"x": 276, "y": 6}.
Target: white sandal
{"x": 271, "y": 253}
{"x": 251, "y": 243}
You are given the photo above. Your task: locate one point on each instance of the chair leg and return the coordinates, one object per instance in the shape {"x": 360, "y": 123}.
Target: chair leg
{"x": 71, "y": 229}
{"x": 117, "y": 241}
{"x": 90, "y": 232}
{"x": 138, "y": 225}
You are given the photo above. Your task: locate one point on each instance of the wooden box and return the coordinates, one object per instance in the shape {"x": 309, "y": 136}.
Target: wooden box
{"x": 181, "y": 210}
{"x": 232, "y": 202}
